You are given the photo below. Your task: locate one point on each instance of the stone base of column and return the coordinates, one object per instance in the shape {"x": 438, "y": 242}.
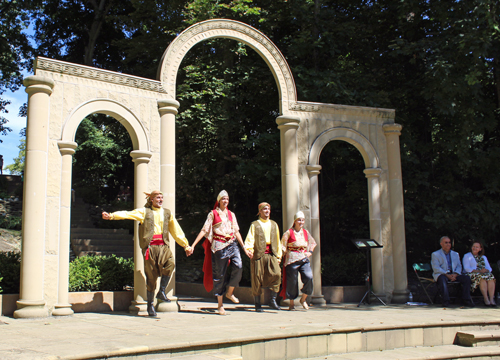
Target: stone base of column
{"x": 318, "y": 300}
{"x": 172, "y": 306}
{"x": 400, "y": 297}
{"x": 62, "y": 310}
{"x": 138, "y": 307}
{"x": 31, "y": 309}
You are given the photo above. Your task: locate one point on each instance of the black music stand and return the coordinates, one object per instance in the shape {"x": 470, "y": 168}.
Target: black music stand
{"x": 367, "y": 244}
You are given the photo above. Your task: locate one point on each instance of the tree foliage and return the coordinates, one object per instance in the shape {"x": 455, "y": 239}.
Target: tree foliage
{"x": 102, "y": 160}
{"x": 435, "y": 62}
{"x": 15, "y": 49}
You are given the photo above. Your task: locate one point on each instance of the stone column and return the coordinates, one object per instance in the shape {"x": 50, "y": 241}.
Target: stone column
{"x": 141, "y": 160}
{"x": 392, "y": 133}
{"x": 313, "y": 172}
{"x": 63, "y": 307}
{"x": 31, "y": 302}
{"x": 288, "y": 126}
{"x": 168, "y": 111}
{"x": 377, "y": 265}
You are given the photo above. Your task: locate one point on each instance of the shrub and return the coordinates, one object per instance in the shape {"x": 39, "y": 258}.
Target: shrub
{"x": 10, "y": 272}
{"x": 100, "y": 273}
{"x": 343, "y": 269}
{"x": 10, "y": 222}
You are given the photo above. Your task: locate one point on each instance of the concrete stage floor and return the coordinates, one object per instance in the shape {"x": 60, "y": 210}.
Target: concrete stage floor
{"x": 197, "y": 327}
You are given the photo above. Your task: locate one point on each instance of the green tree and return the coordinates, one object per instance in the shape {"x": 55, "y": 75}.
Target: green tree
{"x": 101, "y": 162}
{"x": 15, "y": 49}
{"x": 18, "y": 167}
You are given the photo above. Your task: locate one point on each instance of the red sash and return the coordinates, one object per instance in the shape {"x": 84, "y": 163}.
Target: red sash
{"x": 157, "y": 240}
{"x": 208, "y": 280}
{"x": 291, "y": 239}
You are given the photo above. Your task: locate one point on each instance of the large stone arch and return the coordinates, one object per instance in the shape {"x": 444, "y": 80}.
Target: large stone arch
{"x": 112, "y": 108}
{"x": 225, "y": 28}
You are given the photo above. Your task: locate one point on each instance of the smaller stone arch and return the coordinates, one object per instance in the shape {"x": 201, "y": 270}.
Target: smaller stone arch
{"x": 351, "y": 136}
{"x": 111, "y": 108}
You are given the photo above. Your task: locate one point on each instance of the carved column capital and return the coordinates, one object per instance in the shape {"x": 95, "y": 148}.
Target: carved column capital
{"x": 372, "y": 172}
{"x": 67, "y": 147}
{"x": 140, "y": 157}
{"x": 37, "y": 83}
{"x": 168, "y": 106}
{"x": 392, "y": 129}
{"x": 285, "y": 122}
{"x": 313, "y": 170}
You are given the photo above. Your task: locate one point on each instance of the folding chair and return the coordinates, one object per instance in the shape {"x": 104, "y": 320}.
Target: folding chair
{"x": 423, "y": 271}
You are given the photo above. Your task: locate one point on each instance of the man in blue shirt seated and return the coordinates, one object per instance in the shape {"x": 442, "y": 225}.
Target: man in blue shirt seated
{"x": 446, "y": 267}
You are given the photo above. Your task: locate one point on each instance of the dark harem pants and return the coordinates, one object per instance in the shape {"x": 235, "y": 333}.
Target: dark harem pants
{"x": 219, "y": 268}
{"x": 292, "y": 278}
{"x": 265, "y": 273}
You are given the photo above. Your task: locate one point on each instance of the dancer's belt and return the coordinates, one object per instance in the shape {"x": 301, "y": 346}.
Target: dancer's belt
{"x": 297, "y": 248}
{"x": 221, "y": 238}
{"x": 157, "y": 240}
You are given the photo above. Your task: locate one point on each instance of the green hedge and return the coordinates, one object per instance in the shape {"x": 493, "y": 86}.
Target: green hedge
{"x": 101, "y": 273}
{"x": 10, "y": 222}
{"x": 10, "y": 272}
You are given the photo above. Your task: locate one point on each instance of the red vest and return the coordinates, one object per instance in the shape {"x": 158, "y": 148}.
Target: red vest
{"x": 292, "y": 236}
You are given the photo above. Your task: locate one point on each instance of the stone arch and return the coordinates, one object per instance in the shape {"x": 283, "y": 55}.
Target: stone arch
{"x": 111, "y": 108}
{"x": 351, "y": 136}
{"x": 225, "y": 28}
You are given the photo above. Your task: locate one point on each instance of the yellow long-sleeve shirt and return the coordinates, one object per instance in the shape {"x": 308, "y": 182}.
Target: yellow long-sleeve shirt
{"x": 266, "y": 227}
{"x": 139, "y": 214}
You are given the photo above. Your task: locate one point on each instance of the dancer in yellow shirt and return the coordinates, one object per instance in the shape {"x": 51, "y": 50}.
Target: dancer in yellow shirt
{"x": 156, "y": 223}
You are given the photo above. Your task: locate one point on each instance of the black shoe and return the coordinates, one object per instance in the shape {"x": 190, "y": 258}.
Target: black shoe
{"x": 163, "y": 285}
{"x": 468, "y": 303}
{"x": 272, "y": 302}
{"x": 151, "y": 305}
{"x": 258, "y": 306}
{"x": 446, "y": 304}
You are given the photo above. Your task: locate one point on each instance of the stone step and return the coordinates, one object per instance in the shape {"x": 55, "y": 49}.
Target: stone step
{"x": 123, "y": 254}
{"x": 93, "y": 230}
{"x": 102, "y": 242}
{"x": 82, "y": 224}
{"x": 103, "y": 248}
{"x": 102, "y": 237}
{"x": 215, "y": 355}
{"x": 479, "y": 338}
{"x": 419, "y": 352}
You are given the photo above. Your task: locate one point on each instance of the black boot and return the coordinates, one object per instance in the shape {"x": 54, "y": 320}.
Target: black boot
{"x": 151, "y": 304}
{"x": 163, "y": 284}
{"x": 272, "y": 302}
{"x": 258, "y": 307}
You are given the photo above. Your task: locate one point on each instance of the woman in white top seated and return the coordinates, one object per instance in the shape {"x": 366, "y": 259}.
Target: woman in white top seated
{"x": 476, "y": 265}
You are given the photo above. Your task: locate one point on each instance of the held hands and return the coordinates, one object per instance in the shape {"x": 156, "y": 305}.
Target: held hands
{"x": 106, "y": 216}
{"x": 249, "y": 253}
{"x": 308, "y": 253}
{"x": 189, "y": 250}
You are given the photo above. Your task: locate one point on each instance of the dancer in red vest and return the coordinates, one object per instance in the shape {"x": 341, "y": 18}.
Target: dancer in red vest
{"x": 221, "y": 249}
{"x": 263, "y": 242}
{"x": 298, "y": 245}
{"x": 156, "y": 223}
